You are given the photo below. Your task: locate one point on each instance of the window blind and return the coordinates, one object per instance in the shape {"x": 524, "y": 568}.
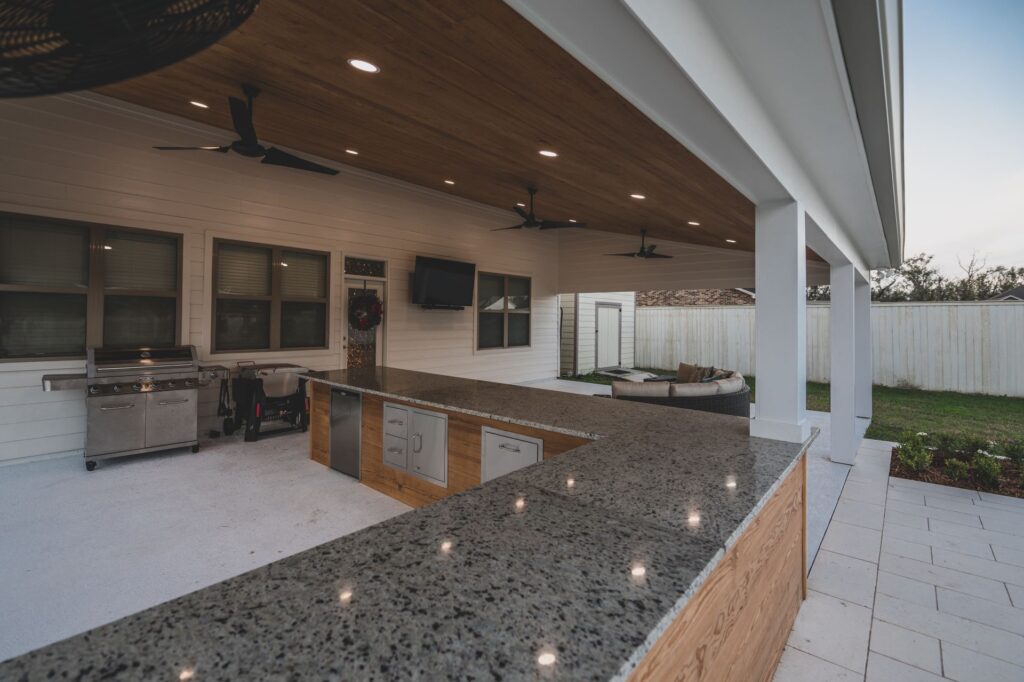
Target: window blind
{"x": 37, "y": 253}
{"x": 303, "y": 275}
{"x": 133, "y": 260}
{"x": 243, "y": 270}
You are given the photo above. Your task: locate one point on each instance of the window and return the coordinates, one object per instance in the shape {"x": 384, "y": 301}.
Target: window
{"x": 67, "y": 285}
{"x": 269, "y": 297}
{"x": 503, "y": 311}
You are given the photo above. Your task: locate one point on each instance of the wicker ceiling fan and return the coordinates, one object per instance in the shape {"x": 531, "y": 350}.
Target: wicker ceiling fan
{"x": 51, "y": 46}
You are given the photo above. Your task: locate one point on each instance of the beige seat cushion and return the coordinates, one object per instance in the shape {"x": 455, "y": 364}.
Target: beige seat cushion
{"x": 687, "y": 374}
{"x": 731, "y": 385}
{"x": 693, "y": 390}
{"x": 647, "y": 389}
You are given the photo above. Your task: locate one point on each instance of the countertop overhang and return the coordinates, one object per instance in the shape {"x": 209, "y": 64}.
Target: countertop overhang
{"x": 476, "y": 585}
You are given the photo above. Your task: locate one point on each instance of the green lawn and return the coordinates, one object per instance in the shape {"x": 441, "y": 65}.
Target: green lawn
{"x": 905, "y": 409}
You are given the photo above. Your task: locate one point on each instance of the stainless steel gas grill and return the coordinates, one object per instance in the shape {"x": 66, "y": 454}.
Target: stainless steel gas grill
{"x": 140, "y": 400}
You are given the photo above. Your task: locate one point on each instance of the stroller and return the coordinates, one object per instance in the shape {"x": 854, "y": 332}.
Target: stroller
{"x": 271, "y": 395}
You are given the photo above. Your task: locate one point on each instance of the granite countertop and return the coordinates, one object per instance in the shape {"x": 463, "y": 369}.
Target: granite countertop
{"x": 586, "y": 557}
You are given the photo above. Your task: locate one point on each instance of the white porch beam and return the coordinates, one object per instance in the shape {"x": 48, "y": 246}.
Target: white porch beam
{"x": 780, "y": 322}
{"x": 843, "y": 374}
{"x": 864, "y": 361}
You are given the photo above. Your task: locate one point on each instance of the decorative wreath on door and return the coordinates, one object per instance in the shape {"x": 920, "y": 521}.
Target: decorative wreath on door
{"x": 365, "y": 311}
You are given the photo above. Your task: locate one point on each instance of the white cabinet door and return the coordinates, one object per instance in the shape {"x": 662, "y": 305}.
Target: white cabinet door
{"x": 504, "y": 452}
{"x": 428, "y": 446}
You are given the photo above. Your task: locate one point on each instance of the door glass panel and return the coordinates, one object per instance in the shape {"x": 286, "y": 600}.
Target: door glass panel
{"x": 40, "y": 325}
{"x": 518, "y": 293}
{"x": 519, "y": 329}
{"x": 492, "y": 292}
{"x": 135, "y": 260}
{"x": 303, "y": 325}
{"x": 243, "y": 325}
{"x": 134, "y": 321}
{"x": 243, "y": 270}
{"x": 42, "y": 253}
{"x": 491, "y": 330}
{"x": 303, "y": 275}
{"x": 362, "y": 343}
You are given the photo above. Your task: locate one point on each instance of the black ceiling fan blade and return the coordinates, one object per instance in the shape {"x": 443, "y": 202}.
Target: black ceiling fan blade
{"x": 558, "y": 224}
{"x": 511, "y": 227}
{"x": 523, "y": 214}
{"x": 656, "y": 255}
{"x": 278, "y": 157}
{"x": 241, "y": 118}
{"x": 627, "y": 255}
{"x": 211, "y": 148}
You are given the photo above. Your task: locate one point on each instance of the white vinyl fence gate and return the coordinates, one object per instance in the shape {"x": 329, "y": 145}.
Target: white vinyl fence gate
{"x": 970, "y": 347}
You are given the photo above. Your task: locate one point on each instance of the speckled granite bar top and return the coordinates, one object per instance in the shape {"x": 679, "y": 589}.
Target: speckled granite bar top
{"x": 585, "y": 557}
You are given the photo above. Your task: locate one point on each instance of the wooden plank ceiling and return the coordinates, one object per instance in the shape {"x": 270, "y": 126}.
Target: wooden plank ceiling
{"x": 468, "y": 90}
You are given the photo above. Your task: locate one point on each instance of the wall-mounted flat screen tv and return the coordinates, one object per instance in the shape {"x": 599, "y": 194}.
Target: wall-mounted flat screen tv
{"x": 438, "y": 283}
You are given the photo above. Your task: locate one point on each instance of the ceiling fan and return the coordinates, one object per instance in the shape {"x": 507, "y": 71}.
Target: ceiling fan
{"x": 248, "y": 144}
{"x": 530, "y": 220}
{"x": 646, "y": 250}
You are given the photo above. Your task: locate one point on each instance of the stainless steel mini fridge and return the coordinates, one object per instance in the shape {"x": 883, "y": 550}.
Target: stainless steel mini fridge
{"x": 346, "y": 431}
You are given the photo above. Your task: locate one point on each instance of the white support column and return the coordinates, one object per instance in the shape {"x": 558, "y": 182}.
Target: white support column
{"x": 843, "y": 370}
{"x": 781, "y": 323}
{"x": 865, "y": 367}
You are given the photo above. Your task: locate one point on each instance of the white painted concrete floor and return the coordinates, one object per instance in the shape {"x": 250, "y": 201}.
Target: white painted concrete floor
{"x": 914, "y": 582}
{"x": 81, "y": 549}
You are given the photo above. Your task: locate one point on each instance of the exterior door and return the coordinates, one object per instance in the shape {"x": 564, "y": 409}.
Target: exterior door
{"x": 363, "y": 348}
{"x": 608, "y": 335}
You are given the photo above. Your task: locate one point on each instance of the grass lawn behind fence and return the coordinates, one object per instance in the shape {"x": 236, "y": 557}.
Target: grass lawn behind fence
{"x": 907, "y": 409}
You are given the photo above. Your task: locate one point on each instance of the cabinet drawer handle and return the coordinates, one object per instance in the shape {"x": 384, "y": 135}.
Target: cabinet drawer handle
{"x": 108, "y": 408}
{"x": 173, "y": 402}
{"x": 396, "y": 451}
{"x": 396, "y": 422}
{"x": 510, "y": 448}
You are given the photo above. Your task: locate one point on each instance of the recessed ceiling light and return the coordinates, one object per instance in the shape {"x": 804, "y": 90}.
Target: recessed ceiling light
{"x": 638, "y": 196}
{"x": 572, "y": 220}
{"x": 284, "y": 265}
{"x": 108, "y": 247}
{"x": 363, "y": 65}
{"x": 353, "y": 152}
{"x": 449, "y": 182}
{"x": 692, "y": 222}
{"x": 197, "y": 103}
{"x": 548, "y": 153}
{"x": 731, "y": 241}
{"x": 520, "y": 204}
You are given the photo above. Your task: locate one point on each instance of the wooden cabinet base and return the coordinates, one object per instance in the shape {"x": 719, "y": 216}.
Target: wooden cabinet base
{"x": 736, "y": 625}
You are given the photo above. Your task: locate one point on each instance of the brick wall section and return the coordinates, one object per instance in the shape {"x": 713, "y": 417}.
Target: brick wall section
{"x": 693, "y": 297}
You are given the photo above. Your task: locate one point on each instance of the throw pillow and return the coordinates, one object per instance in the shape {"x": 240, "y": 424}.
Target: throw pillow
{"x": 688, "y": 374}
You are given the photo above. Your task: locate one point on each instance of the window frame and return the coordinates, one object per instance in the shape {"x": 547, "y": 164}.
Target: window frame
{"x": 95, "y": 291}
{"x": 275, "y": 298}
{"x": 505, "y": 313}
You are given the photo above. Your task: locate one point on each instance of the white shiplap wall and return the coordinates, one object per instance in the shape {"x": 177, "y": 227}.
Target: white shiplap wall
{"x": 567, "y": 334}
{"x": 970, "y": 347}
{"x": 89, "y": 158}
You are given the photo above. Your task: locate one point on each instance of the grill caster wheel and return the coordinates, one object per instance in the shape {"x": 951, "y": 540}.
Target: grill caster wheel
{"x": 195, "y": 449}
{"x": 89, "y": 466}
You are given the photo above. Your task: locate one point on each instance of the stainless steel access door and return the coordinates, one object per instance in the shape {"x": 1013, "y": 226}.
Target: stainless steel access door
{"x": 116, "y": 424}
{"x": 171, "y": 417}
{"x": 346, "y": 431}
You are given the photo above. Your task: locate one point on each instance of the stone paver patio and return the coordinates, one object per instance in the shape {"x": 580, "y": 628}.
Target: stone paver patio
{"x": 914, "y": 582}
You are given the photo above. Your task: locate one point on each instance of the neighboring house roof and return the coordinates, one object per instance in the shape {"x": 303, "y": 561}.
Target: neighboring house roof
{"x": 1015, "y": 294}
{"x": 685, "y": 297}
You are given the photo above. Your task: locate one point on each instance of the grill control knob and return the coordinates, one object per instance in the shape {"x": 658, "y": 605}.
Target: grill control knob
{"x": 93, "y": 390}
{"x": 136, "y": 387}
{"x": 188, "y": 383}
{"x": 117, "y": 388}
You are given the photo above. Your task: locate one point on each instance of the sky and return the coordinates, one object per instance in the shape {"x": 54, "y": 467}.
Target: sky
{"x": 963, "y": 65}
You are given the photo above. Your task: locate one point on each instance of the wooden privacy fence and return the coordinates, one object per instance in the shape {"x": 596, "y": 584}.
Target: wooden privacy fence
{"x": 971, "y": 347}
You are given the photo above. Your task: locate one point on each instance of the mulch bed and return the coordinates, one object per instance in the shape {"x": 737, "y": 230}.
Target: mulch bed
{"x": 1010, "y": 479}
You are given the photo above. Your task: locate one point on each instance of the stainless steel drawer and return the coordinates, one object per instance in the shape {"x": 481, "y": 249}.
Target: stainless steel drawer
{"x": 116, "y": 424}
{"x": 396, "y": 421}
{"x": 396, "y": 452}
{"x": 504, "y": 452}
{"x": 170, "y": 417}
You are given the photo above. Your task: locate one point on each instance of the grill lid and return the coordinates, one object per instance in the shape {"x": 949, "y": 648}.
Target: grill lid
{"x": 114, "y": 361}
